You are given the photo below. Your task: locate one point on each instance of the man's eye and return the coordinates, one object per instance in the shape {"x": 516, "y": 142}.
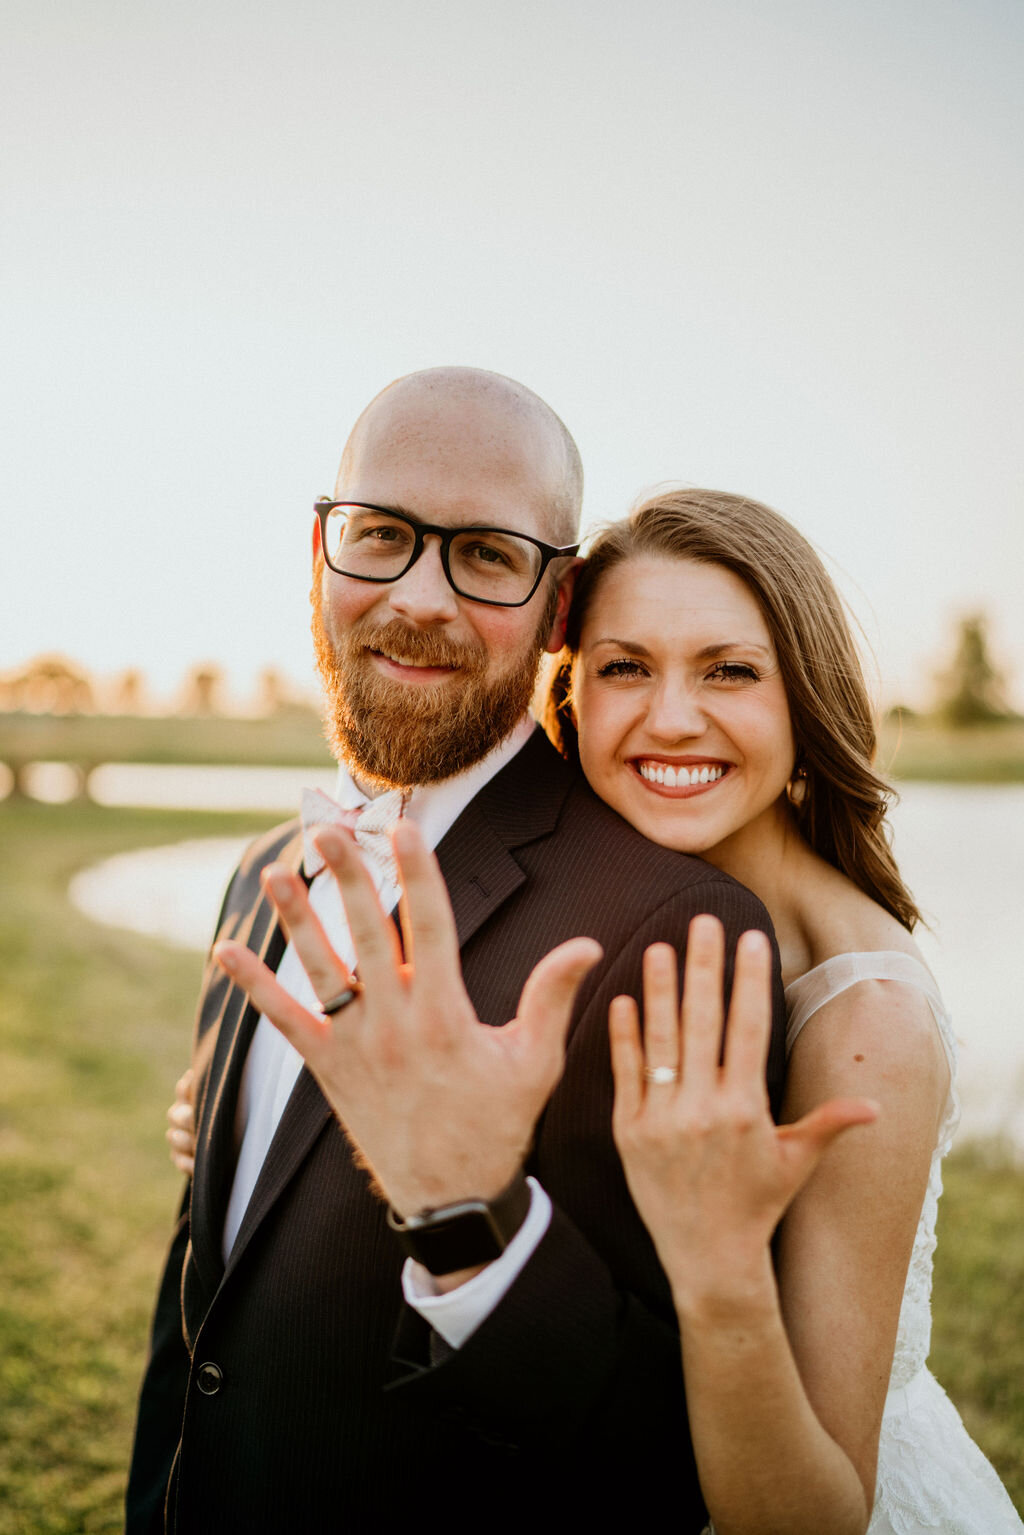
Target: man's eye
{"x": 485, "y": 554}
{"x": 373, "y": 537}
{"x": 732, "y": 671}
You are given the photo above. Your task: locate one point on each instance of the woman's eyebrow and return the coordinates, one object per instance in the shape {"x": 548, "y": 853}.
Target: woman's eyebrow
{"x": 706, "y": 652}
{"x": 632, "y": 645}
{"x": 723, "y": 648}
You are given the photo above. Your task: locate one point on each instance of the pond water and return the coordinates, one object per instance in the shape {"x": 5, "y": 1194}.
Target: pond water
{"x": 960, "y": 847}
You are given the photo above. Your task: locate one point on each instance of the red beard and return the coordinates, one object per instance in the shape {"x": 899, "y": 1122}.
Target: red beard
{"x": 393, "y": 735}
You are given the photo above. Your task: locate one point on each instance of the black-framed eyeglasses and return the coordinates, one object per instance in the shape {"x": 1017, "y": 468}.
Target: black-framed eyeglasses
{"x": 376, "y": 543}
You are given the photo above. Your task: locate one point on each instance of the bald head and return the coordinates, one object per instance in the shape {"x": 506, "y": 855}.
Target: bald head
{"x": 459, "y": 424}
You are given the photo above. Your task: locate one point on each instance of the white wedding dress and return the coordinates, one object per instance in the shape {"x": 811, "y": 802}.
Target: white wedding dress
{"x": 931, "y": 1475}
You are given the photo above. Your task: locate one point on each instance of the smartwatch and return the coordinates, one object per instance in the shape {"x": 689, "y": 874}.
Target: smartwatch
{"x": 463, "y": 1235}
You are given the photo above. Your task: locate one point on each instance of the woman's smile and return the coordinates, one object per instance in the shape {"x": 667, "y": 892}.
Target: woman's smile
{"x": 679, "y": 777}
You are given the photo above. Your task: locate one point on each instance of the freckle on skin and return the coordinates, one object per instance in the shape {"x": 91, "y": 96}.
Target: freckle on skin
{"x": 858, "y": 1057}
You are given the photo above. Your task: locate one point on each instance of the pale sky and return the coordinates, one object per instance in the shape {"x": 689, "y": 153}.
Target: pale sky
{"x": 775, "y": 248}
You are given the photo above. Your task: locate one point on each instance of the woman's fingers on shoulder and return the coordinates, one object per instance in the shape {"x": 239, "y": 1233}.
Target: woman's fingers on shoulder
{"x": 182, "y": 1143}
{"x": 181, "y": 1116}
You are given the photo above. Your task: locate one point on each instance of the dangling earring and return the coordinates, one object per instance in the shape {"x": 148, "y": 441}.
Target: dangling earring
{"x": 796, "y": 789}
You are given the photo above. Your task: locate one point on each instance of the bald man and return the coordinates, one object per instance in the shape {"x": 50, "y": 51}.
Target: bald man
{"x": 451, "y": 1311}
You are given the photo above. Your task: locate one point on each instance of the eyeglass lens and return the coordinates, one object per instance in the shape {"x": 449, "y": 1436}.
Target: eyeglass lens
{"x": 493, "y": 567}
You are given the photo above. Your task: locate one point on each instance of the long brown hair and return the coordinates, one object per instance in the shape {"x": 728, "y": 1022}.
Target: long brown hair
{"x": 842, "y": 815}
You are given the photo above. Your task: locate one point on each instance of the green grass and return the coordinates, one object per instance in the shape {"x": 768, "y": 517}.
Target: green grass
{"x": 978, "y": 1330}
{"x": 292, "y": 738}
{"x": 920, "y": 749}
{"x": 94, "y": 1029}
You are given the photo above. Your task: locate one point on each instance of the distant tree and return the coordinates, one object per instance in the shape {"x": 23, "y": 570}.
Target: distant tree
{"x": 51, "y": 684}
{"x": 972, "y": 689}
{"x": 204, "y": 686}
{"x": 129, "y": 692}
{"x": 273, "y": 691}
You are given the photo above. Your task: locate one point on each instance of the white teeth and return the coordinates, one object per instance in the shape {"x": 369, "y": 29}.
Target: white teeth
{"x": 678, "y": 777}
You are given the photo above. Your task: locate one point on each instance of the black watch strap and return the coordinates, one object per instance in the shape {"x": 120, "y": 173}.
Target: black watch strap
{"x": 466, "y": 1234}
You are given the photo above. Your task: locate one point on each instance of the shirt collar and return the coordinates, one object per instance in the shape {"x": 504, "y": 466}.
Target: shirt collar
{"x": 437, "y": 806}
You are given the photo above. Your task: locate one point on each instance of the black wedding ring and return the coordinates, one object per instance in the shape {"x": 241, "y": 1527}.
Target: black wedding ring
{"x": 341, "y": 1001}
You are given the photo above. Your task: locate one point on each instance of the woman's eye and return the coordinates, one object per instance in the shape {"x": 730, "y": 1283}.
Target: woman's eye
{"x": 732, "y": 671}
{"x": 623, "y": 667}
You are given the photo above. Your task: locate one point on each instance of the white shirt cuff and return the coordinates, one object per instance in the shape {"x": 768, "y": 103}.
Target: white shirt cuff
{"x": 457, "y": 1315}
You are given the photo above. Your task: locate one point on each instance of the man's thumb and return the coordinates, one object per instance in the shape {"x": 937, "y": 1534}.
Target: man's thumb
{"x": 547, "y": 998}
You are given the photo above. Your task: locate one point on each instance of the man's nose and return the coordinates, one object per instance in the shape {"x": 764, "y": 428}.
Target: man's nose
{"x": 423, "y": 596}
{"x": 676, "y": 713}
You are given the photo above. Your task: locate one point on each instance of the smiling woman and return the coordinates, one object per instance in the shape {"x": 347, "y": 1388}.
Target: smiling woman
{"x": 713, "y": 695}
{"x": 789, "y": 644}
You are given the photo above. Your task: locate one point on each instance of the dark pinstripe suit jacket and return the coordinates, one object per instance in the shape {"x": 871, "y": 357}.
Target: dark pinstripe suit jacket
{"x": 330, "y": 1411}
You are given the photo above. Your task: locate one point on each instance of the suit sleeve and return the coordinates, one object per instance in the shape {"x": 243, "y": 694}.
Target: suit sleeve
{"x": 584, "y": 1344}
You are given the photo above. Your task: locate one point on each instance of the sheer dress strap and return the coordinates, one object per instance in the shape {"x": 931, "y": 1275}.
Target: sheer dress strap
{"x": 805, "y": 996}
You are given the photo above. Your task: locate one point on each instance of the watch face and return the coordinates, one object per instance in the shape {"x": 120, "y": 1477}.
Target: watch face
{"x": 463, "y": 1235}
{"x": 458, "y": 1241}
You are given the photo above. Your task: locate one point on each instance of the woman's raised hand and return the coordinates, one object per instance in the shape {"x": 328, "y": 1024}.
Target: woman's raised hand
{"x": 710, "y": 1172}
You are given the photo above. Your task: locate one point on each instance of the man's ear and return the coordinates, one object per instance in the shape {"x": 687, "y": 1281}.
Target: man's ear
{"x": 318, "y": 548}
{"x": 566, "y": 583}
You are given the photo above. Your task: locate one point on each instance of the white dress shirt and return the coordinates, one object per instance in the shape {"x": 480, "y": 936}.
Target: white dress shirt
{"x": 273, "y": 1065}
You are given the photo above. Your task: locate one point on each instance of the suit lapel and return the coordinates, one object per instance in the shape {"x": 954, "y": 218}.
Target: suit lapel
{"x": 260, "y": 931}
{"x": 305, "y": 1115}
{"x": 519, "y": 805}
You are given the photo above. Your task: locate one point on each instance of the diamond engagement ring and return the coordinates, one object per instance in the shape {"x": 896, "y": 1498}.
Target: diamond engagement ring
{"x": 661, "y": 1074}
{"x": 336, "y": 1004}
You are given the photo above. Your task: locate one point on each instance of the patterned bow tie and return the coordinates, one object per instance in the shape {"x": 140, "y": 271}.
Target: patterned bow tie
{"x": 371, "y": 825}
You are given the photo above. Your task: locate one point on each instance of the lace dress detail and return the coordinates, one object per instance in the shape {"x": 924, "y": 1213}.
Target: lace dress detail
{"x": 931, "y": 1475}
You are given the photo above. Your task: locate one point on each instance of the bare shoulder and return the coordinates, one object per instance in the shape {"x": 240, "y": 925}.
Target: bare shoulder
{"x": 838, "y": 918}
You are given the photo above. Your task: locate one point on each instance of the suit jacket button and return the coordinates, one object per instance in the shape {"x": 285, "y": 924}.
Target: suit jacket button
{"x": 209, "y": 1378}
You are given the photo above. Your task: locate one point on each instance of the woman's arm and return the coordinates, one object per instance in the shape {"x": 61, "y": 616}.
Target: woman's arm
{"x": 785, "y": 1434}
{"x": 844, "y": 1247}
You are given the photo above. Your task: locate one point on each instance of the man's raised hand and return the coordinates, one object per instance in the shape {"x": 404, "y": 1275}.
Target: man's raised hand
{"x": 442, "y": 1107}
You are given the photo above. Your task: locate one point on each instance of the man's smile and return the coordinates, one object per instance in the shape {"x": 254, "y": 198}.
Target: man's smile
{"x": 402, "y": 669}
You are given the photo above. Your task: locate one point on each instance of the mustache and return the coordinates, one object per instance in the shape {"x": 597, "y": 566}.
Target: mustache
{"x": 422, "y": 647}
